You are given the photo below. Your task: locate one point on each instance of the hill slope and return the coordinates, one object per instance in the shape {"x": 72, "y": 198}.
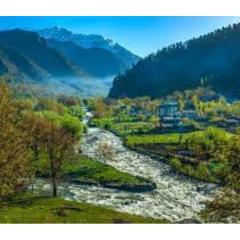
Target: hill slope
{"x": 26, "y": 50}
{"x": 29, "y": 59}
{"x": 59, "y": 65}
{"x": 212, "y": 60}
{"x": 96, "y": 61}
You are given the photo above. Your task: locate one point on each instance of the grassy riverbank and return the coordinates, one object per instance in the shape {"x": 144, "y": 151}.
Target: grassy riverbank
{"x": 201, "y": 154}
{"x": 83, "y": 170}
{"x": 28, "y": 208}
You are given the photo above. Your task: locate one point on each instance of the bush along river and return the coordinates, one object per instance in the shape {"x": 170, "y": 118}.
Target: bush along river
{"x": 176, "y": 197}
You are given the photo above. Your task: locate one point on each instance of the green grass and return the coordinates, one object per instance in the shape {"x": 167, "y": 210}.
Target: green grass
{"x": 85, "y": 169}
{"x": 102, "y": 122}
{"x": 34, "y": 209}
{"x": 166, "y": 138}
{"x": 201, "y": 164}
{"x": 130, "y": 126}
{"x": 127, "y": 128}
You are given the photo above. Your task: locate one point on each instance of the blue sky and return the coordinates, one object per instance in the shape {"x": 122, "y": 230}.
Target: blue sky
{"x": 142, "y": 35}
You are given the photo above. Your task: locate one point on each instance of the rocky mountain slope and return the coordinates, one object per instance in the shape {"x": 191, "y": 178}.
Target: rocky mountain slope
{"x": 122, "y": 58}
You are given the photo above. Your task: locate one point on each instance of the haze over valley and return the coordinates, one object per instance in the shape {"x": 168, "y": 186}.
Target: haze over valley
{"x": 57, "y": 60}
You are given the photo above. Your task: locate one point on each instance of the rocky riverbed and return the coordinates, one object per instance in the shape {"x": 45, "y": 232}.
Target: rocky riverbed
{"x": 176, "y": 197}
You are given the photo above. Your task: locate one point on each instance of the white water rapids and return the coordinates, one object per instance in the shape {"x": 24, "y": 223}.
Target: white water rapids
{"x": 176, "y": 197}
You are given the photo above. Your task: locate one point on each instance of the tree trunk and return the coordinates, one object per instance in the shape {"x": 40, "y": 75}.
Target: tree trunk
{"x": 54, "y": 185}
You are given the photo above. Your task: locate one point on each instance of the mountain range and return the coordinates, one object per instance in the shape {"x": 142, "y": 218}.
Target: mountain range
{"x": 92, "y": 41}
{"x": 209, "y": 60}
{"x": 54, "y": 59}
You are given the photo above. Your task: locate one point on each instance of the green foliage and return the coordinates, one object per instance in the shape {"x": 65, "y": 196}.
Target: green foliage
{"x": 220, "y": 169}
{"x": 68, "y": 100}
{"x": 98, "y": 107}
{"x": 168, "y": 138}
{"x": 76, "y": 111}
{"x": 67, "y": 121}
{"x": 124, "y": 129}
{"x": 194, "y": 124}
{"x": 175, "y": 163}
{"x": 202, "y": 171}
{"x": 72, "y": 125}
{"x": 176, "y": 67}
{"x": 14, "y": 154}
{"x": 45, "y": 104}
{"x": 213, "y": 150}
{"x": 102, "y": 122}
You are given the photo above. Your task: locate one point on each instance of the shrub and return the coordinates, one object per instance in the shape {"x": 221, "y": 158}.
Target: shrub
{"x": 175, "y": 163}
{"x": 202, "y": 171}
{"x": 76, "y": 111}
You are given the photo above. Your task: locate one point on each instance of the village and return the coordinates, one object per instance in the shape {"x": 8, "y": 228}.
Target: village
{"x": 184, "y": 130}
{"x": 170, "y": 116}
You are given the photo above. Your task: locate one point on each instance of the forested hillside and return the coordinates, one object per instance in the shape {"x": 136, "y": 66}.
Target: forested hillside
{"x": 24, "y": 52}
{"x": 210, "y": 60}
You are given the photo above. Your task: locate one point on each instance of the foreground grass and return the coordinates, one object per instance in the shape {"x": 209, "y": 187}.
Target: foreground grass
{"x": 34, "y": 209}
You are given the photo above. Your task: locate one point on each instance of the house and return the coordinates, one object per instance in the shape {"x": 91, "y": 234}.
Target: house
{"x": 171, "y": 120}
{"x": 134, "y": 111}
{"x": 138, "y": 110}
{"x": 169, "y": 114}
{"x": 189, "y": 111}
{"x": 168, "y": 108}
{"x": 191, "y": 114}
{"x": 230, "y": 123}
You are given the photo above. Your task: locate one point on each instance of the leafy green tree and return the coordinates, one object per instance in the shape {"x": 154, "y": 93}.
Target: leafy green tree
{"x": 59, "y": 146}
{"x": 70, "y": 123}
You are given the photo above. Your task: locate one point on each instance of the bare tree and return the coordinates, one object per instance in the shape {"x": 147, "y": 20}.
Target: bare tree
{"x": 106, "y": 151}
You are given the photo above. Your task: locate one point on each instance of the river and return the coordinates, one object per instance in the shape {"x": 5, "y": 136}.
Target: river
{"x": 175, "y": 198}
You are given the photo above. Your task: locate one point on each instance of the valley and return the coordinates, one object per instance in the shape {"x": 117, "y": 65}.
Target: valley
{"x": 92, "y": 133}
{"x": 176, "y": 198}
